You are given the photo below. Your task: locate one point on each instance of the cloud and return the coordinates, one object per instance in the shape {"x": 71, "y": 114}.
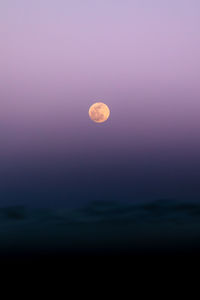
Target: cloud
{"x": 163, "y": 224}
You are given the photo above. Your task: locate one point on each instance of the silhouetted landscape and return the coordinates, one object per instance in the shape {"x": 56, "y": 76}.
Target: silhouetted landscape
{"x": 160, "y": 227}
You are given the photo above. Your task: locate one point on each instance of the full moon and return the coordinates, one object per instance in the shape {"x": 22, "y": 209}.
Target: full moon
{"x": 99, "y": 112}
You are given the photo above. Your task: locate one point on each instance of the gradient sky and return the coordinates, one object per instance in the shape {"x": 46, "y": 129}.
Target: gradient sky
{"x": 142, "y": 58}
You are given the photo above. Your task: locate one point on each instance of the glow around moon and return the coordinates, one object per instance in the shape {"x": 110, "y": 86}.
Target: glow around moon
{"x": 99, "y": 112}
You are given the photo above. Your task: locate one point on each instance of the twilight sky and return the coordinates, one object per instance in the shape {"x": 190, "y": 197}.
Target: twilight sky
{"x": 142, "y": 58}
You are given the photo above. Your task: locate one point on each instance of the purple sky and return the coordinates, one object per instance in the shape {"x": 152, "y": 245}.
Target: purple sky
{"x": 142, "y": 58}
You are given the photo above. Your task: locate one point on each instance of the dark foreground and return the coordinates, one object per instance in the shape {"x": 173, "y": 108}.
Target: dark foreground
{"x": 161, "y": 228}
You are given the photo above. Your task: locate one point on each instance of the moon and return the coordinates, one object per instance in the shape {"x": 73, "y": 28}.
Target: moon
{"x": 99, "y": 112}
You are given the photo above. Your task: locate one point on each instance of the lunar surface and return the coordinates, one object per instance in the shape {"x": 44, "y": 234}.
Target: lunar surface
{"x": 99, "y": 112}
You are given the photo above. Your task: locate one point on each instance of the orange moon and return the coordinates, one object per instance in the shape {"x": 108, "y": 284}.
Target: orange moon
{"x": 99, "y": 112}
